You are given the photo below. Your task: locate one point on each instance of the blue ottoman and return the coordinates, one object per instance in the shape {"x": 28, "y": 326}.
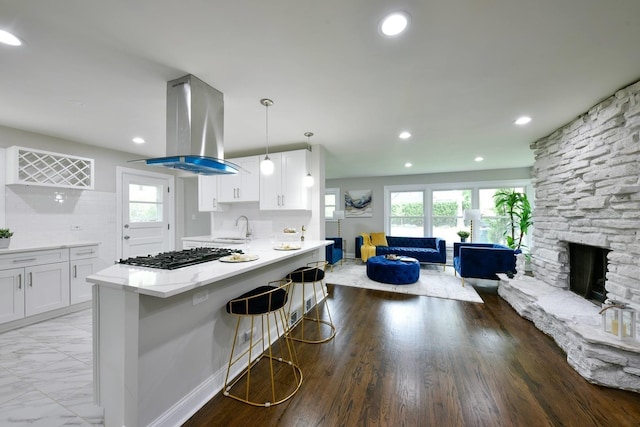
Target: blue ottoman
{"x": 395, "y": 272}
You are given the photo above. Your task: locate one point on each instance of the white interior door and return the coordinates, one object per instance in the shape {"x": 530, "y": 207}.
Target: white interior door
{"x": 146, "y": 212}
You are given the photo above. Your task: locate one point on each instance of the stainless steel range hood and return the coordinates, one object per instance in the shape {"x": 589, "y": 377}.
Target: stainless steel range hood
{"x": 195, "y": 129}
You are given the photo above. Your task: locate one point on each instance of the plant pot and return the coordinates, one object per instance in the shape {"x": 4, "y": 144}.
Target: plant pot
{"x": 4, "y": 243}
{"x": 463, "y": 239}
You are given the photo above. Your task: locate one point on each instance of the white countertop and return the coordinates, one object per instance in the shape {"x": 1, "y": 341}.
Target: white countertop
{"x": 27, "y": 247}
{"x": 166, "y": 283}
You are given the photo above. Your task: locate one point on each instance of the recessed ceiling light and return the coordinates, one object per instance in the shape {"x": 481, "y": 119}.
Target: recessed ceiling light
{"x": 479, "y": 159}
{"x": 408, "y": 165}
{"x": 8, "y": 38}
{"x": 404, "y": 135}
{"x": 523, "y": 120}
{"x": 138, "y": 140}
{"x": 394, "y": 24}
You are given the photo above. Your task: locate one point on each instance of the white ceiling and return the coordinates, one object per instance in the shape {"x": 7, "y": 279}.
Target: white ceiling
{"x": 96, "y": 71}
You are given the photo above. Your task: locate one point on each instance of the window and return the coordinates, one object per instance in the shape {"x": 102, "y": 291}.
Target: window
{"x": 145, "y": 203}
{"x": 447, "y": 213}
{"x": 331, "y": 198}
{"x": 438, "y": 210}
{"x": 407, "y": 213}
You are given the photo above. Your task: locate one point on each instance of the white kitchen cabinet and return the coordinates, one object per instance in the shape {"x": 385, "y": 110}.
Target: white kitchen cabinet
{"x": 46, "y": 288}
{"x": 83, "y": 261}
{"x": 208, "y": 189}
{"x": 11, "y": 294}
{"x": 33, "y": 282}
{"x": 243, "y": 186}
{"x": 41, "y": 277}
{"x": 285, "y": 189}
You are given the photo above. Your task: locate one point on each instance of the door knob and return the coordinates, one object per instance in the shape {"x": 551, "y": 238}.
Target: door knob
{"x": 126, "y": 237}
{"x": 126, "y": 226}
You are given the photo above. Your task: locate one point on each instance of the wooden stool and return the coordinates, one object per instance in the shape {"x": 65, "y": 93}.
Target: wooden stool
{"x": 267, "y": 302}
{"x": 313, "y": 274}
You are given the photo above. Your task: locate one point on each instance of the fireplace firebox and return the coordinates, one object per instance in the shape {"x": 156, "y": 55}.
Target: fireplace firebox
{"x": 588, "y": 271}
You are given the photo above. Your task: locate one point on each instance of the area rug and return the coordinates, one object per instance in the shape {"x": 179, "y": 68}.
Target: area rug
{"x": 433, "y": 282}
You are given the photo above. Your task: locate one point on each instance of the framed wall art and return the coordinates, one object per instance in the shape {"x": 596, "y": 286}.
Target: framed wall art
{"x": 357, "y": 203}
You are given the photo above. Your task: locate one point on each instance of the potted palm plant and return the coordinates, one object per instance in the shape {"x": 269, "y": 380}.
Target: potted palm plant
{"x": 5, "y": 237}
{"x": 516, "y": 206}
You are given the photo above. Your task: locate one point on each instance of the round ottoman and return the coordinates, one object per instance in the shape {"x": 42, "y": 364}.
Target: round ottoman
{"x": 395, "y": 272}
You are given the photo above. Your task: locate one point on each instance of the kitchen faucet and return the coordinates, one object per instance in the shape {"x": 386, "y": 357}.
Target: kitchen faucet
{"x": 247, "y": 231}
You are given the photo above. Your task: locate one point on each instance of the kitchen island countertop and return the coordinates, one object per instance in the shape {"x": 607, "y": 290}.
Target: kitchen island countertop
{"x": 166, "y": 283}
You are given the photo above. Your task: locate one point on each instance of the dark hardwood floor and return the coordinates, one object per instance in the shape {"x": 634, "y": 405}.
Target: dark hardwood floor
{"x": 402, "y": 360}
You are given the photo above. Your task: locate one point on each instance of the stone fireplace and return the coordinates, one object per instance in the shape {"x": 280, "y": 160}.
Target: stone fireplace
{"x": 586, "y": 178}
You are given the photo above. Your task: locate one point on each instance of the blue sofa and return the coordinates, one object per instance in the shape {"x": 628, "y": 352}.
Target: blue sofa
{"x": 334, "y": 252}
{"x": 425, "y": 249}
{"x": 483, "y": 260}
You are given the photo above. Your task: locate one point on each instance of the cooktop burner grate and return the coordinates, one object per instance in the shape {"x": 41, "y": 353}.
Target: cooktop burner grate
{"x": 178, "y": 259}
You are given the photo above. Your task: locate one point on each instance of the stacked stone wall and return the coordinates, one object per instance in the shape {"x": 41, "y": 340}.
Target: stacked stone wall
{"x": 587, "y": 190}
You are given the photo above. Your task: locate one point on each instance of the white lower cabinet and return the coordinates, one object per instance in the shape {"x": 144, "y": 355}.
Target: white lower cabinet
{"x": 11, "y": 294}
{"x": 39, "y": 281}
{"x": 46, "y": 288}
{"x": 83, "y": 262}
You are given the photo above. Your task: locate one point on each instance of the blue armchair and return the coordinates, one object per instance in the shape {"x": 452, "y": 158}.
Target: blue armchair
{"x": 483, "y": 260}
{"x": 334, "y": 251}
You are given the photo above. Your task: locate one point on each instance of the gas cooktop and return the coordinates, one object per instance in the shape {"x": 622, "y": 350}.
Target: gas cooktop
{"x": 177, "y": 259}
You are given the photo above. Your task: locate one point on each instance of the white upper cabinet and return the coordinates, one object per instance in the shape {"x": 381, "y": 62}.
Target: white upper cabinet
{"x": 208, "y": 193}
{"x": 243, "y": 186}
{"x": 284, "y": 189}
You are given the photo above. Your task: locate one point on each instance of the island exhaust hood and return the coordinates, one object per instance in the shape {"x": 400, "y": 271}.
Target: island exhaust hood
{"x": 195, "y": 129}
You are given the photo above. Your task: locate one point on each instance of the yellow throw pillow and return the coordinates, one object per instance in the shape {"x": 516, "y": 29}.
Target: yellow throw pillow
{"x": 379, "y": 239}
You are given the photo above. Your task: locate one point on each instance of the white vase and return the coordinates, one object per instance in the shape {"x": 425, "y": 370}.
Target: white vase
{"x": 4, "y": 243}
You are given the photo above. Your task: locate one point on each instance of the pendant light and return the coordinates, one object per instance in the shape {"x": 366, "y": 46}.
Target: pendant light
{"x": 266, "y": 165}
{"x": 308, "y": 180}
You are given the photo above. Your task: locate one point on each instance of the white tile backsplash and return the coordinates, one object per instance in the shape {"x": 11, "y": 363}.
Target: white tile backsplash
{"x": 35, "y": 217}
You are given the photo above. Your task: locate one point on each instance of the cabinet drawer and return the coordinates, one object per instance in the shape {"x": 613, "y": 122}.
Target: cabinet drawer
{"x": 83, "y": 252}
{"x": 26, "y": 259}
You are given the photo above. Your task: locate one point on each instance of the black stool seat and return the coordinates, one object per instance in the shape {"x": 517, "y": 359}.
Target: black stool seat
{"x": 306, "y": 274}
{"x": 260, "y": 300}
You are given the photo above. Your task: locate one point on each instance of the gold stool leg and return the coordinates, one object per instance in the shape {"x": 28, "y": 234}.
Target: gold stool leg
{"x": 317, "y": 318}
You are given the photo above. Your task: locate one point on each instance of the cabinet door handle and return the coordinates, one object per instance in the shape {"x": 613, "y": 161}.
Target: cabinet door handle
{"x": 31, "y": 279}
{"x": 16, "y": 261}
{"x": 215, "y": 202}
{"x": 278, "y": 200}
{"x": 283, "y": 200}
{"x": 238, "y": 193}
{"x": 75, "y": 271}
{"x": 89, "y": 252}
{"x": 19, "y": 281}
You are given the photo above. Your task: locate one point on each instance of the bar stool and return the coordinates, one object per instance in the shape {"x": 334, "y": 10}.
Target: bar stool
{"x": 267, "y": 302}
{"x": 313, "y": 274}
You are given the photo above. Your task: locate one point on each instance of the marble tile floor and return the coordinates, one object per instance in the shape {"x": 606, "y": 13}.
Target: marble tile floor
{"x": 46, "y": 375}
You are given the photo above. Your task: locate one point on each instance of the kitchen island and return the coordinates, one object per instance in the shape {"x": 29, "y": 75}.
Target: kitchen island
{"x": 162, "y": 337}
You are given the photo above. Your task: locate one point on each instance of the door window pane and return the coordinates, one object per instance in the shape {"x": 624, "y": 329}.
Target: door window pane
{"x": 145, "y": 203}
{"x": 407, "y": 213}
{"x": 447, "y": 214}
